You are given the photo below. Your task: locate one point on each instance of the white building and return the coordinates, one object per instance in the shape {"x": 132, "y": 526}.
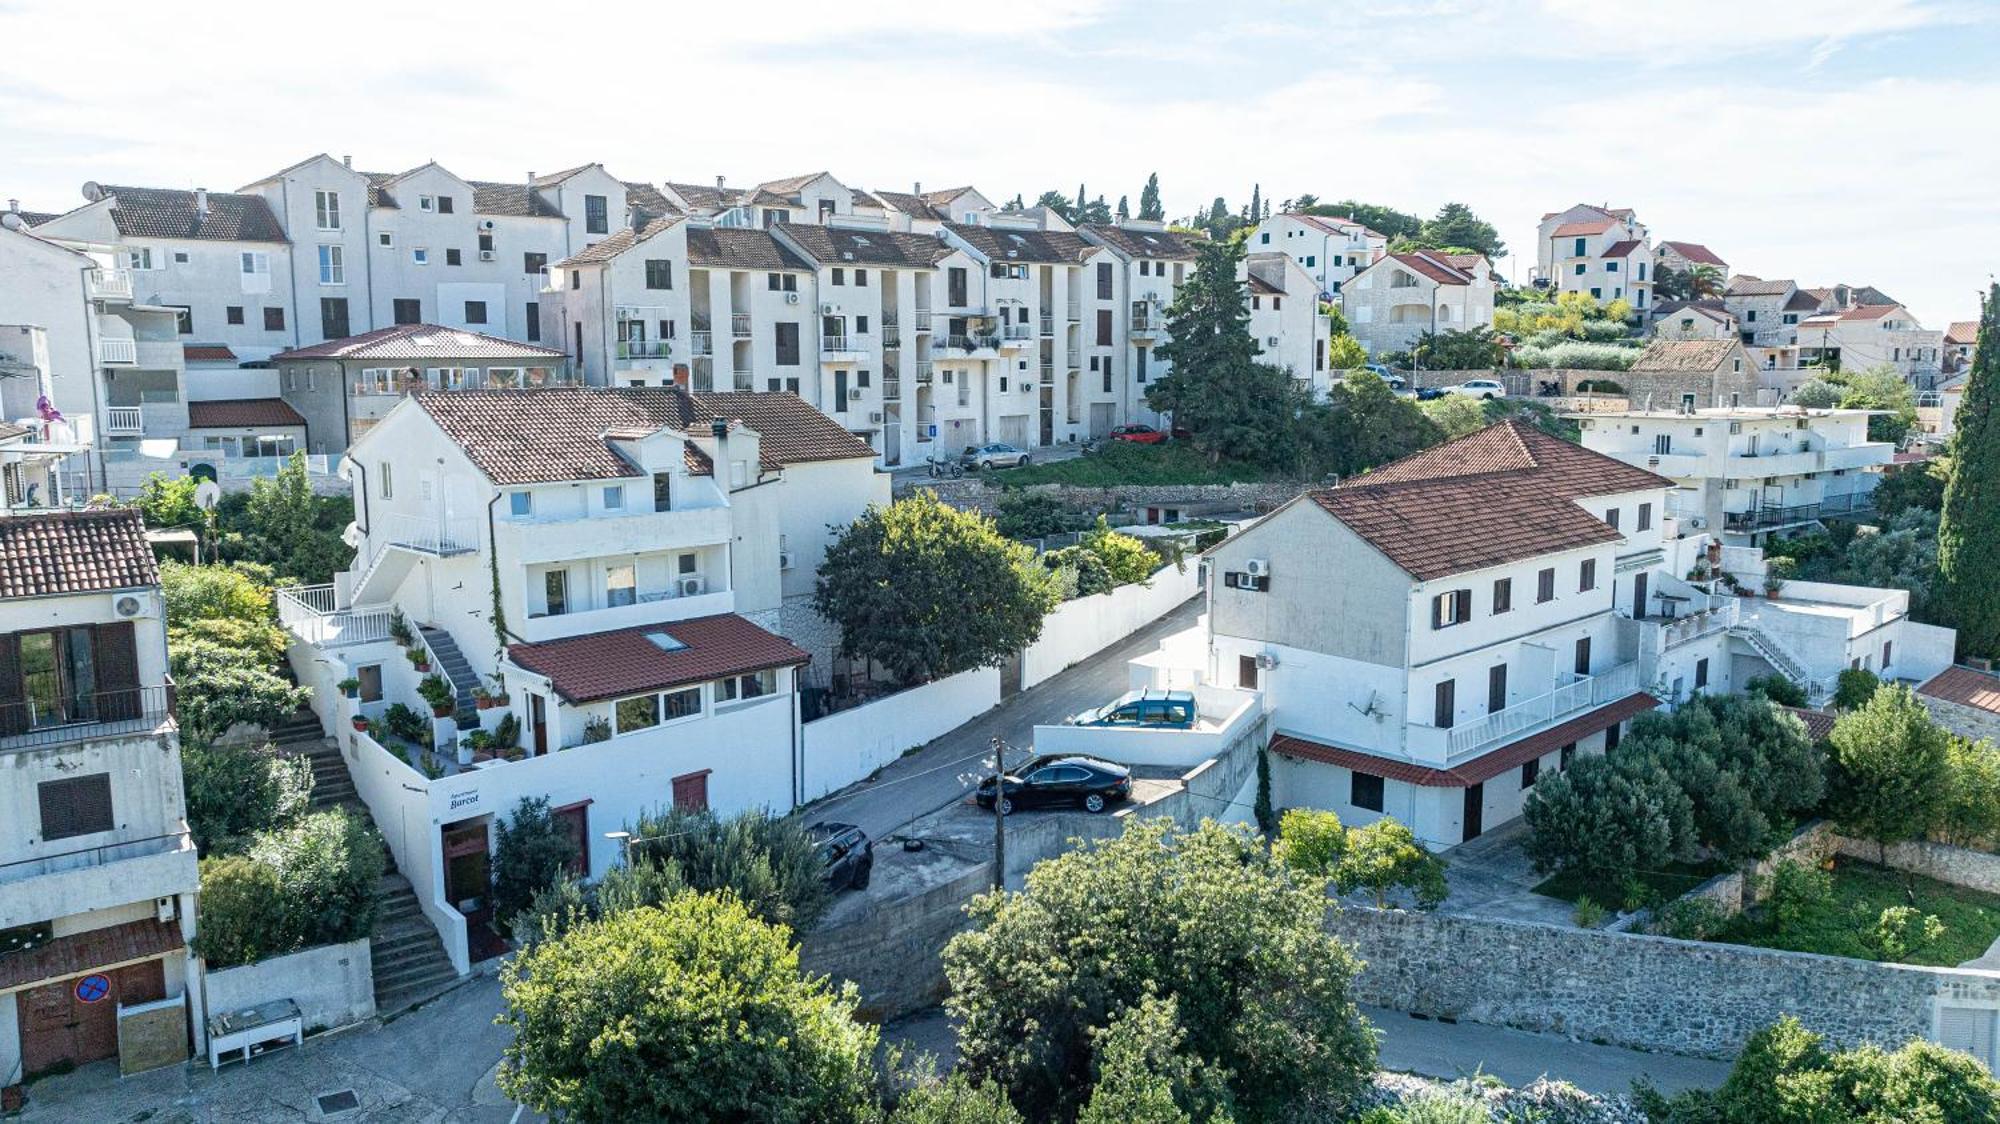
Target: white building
{"x": 98, "y": 877}
{"x": 621, "y": 568}
{"x": 1961, "y": 341}
{"x": 1748, "y": 475}
{"x": 1873, "y": 335}
{"x": 1331, "y": 250}
{"x": 1603, "y": 251}
{"x": 1402, "y": 296}
{"x": 1286, "y": 321}
{"x": 1694, "y": 320}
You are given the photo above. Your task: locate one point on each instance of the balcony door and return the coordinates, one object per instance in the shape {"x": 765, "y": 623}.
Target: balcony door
{"x": 1639, "y": 595}
{"x": 65, "y": 676}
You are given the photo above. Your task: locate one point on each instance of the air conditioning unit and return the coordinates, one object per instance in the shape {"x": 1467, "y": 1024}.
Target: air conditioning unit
{"x": 784, "y": 560}
{"x": 791, "y": 298}
{"x": 828, "y": 309}
{"x": 1266, "y": 661}
{"x": 854, "y": 394}
{"x": 486, "y": 224}
{"x": 1271, "y": 341}
{"x": 166, "y": 909}
{"x": 1257, "y": 568}
{"x": 128, "y": 606}
{"x": 1652, "y": 462}
{"x": 874, "y": 417}
{"x": 486, "y": 255}
{"x": 690, "y": 587}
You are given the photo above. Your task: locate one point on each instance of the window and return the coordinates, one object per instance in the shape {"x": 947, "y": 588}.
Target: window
{"x": 1529, "y": 771}
{"x": 1888, "y": 649}
{"x": 326, "y": 210}
{"x": 1645, "y": 517}
{"x": 685, "y": 563}
{"x": 426, "y": 203}
{"x": 1611, "y": 518}
{"x": 1586, "y": 576}
{"x": 555, "y": 592}
{"x": 532, "y": 264}
{"x": 640, "y": 712}
{"x": 233, "y": 314}
{"x": 1246, "y": 672}
{"x": 521, "y": 504}
{"x": 1701, "y": 673}
{"x": 596, "y": 215}
{"x": 1104, "y": 327}
{"x": 1139, "y": 367}
{"x": 1579, "y": 250}
{"x": 1365, "y": 791}
{"x": 332, "y": 268}
{"x": 682, "y": 704}
{"x": 255, "y": 263}
{"x": 691, "y": 791}
{"x": 333, "y": 318}
{"x": 755, "y": 685}
{"x": 444, "y": 204}
{"x": 1545, "y": 586}
{"x": 621, "y": 586}
{"x": 614, "y": 497}
{"x": 274, "y": 319}
{"x": 787, "y": 344}
{"x": 659, "y": 273}
{"x": 370, "y": 675}
{"x": 475, "y": 312}
{"x": 1567, "y": 755}
{"x": 141, "y": 258}
{"x": 533, "y": 319}
{"x": 1496, "y": 688}
{"x": 1579, "y": 269}
{"x": 382, "y": 471}
{"x": 663, "y": 491}
{"x": 1104, "y": 280}
{"x": 409, "y": 310}
{"x": 485, "y": 247}
{"x": 1583, "y": 655}
{"x": 385, "y": 239}
{"x": 861, "y": 278}
{"x": 451, "y": 257}
{"x": 1503, "y": 595}
{"x": 1444, "y": 704}
{"x": 420, "y": 256}
{"x": 75, "y": 806}
{"x": 1611, "y": 736}
{"x": 839, "y": 275}
{"x": 1451, "y": 607}
{"x": 1611, "y": 267}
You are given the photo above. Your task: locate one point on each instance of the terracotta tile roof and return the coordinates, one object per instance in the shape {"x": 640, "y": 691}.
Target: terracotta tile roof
{"x": 1163, "y": 244}
{"x": 1482, "y": 768}
{"x": 936, "y": 198}
{"x": 1744, "y": 285}
{"x": 1333, "y": 225}
{"x": 378, "y": 189}
{"x": 77, "y": 953}
{"x": 706, "y": 197}
{"x": 554, "y": 178}
{"x": 1962, "y": 331}
{"x": 421, "y": 341}
{"x": 1801, "y": 301}
{"x": 1686, "y": 356}
{"x": 1263, "y": 288}
{"x": 1587, "y": 226}
{"x": 619, "y": 241}
{"x": 1433, "y": 266}
{"x": 207, "y": 353}
{"x": 1869, "y": 311}
{"x": 1714, "y": 309}
{"x": 1054, "y": 247}
{"x": 34, "y": 218}
{"x": 832, "y": 245}
{"x": 1502, "y": 494}
{"x": 1622, "y": 249}
{"x": 609, "y": 665}
{"x": 238, "y": 412}
{"x": 912, "y": 205}
{"x": 1818, "y": 723}
{"x": 648, "y": 198}
{"x": 1694, "y": 252}
{"x": 510, "y": 199}
{"x": 735, "y": 248}
{"x": 151, "y": 212}
{"x": 1966, "y": 687}
{"x": 74, "y": 552}
{"x": 558, "y": 433}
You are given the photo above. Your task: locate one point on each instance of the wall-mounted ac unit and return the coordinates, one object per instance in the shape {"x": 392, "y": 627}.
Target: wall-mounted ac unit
{"x": 1257, "y": 568}
{"x": 828, "y": 309}
{"x": 791, "y": 298}
{"x": 486, "y": 225}
{"x": 486, "y": 255}
{"x": 874, "y": 417}
{"x": 128, "y": 606}
{"x": 1270, "y": 341}
{"x": 1266, "y": 661}
{"x": 854, "y": 394}
{"x": 784, "y": 560}
{"x": 690, "y": 587}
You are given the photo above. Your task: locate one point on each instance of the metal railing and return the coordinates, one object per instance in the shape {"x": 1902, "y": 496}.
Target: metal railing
{"x": 839, "y": 343}
{"x": 921, "y": 319}
{"x": 85, "y": 858}
{"x": 1016, "y": 332}
{"x": 110, "y": 284}
{"x": 1676, "y": 631}
{"x": 1048, "y": 372}
{"x": 702, "y": 342}
{"x": 1580, "y": 693}
{"x": 739, "y": 325}
{"x": 1769, "y": 517}
{"x": 923, "y": 372}
{"x": 431, "y": 534}
{"x": 645, "y": 349}
{"x": 29, "y": 724}
{"x": 263, "y": 468}
{"x": 1144, "y": 325}
{"x": 953, "y": 343}
{"x": 892, "y": 389}
{"x": 124, "y": 419}
{"x": 117, "y": 352}
{"x": 1048, "y": 324}
{"x": 308, "y": 612}
{"x": 889, "y": 321}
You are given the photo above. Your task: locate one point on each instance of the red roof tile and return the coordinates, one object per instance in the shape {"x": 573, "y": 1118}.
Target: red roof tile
{"x": 1433, "y": 266}
{"x": 1587, "y": 226}
{"x": 78, "y": 953}
{"x": 1962, "y": 331}
{"x": 608, "y": 665}
{"x": 224, "y": 413}
{"x": 422, "y": 341}
{"x": 207, "y": 353}
{"x": 1622, "y": 249}
{"x": 1482, "y": 768}
{"x": 1695, "y": 252}
{"x": 1966, "y": 687}
{"x": 1818, "y": 723}
{"x": 75, "y": 552}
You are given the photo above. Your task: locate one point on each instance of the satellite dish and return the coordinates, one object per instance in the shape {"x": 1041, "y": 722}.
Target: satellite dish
{"x": 207, "y": 494}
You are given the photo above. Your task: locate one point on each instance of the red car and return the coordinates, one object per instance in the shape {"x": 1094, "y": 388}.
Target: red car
{"x": 1138, "y": 434}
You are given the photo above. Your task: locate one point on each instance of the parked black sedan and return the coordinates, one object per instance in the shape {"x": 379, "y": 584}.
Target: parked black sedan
{"x": 1081, "y": 782}
{"x": 847, "y": 853}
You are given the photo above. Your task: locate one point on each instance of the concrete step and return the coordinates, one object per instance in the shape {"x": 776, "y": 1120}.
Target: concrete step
{"x": 414, "y": 975}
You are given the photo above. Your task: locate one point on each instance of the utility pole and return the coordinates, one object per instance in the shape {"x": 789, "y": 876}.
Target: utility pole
{"x": 999, "y": 815}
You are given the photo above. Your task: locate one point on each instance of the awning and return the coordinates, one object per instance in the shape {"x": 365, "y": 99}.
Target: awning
{"x": 110, "y": 947}
{"x": 1482, "y": 768}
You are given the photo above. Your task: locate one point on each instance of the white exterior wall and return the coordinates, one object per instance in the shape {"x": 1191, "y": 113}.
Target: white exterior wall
{"x": 45, "y": 289}
{"x": 503, "y": 283}
{"x": 1330, "y": 259}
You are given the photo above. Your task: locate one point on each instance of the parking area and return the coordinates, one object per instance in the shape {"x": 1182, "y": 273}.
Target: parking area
{"x": 1492, "y": 877}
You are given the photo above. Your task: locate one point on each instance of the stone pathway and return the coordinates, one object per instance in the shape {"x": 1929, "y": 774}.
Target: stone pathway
{"x": 1491, "y": 877}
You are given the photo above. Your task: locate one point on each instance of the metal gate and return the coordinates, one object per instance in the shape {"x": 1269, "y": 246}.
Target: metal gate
{"x": 74, "y": 1021}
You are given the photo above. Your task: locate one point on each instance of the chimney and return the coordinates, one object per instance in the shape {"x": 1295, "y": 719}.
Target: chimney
{"x": 347, "y": 161}
{"x": 14, "y": 205}
{"x": 201, "y": 201}
{"x": 719, "y": 429}
{"x": 917, "y": 189}
{"x": 719, "y": 183}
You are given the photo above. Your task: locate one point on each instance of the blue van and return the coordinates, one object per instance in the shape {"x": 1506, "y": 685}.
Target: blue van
{"x": 1155, "y": 710}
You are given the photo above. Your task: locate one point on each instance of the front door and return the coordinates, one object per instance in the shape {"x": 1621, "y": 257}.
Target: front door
{"x": 75, "y": 1021}
{"x": 1475, "y": 811}
{"x": 538, "y": 722}
{"x": 466, "y": 871}
{"x": 1639, "y": 596}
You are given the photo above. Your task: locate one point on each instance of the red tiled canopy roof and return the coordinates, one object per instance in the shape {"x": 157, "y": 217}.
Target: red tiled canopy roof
{"x": 609, "y": 665}
{"x": 1966, "y": 687}
{"x": 207, "y": 353}
{"x": 227, "y": 413}
{"x": 78, "y": 953}
{"x": 75, "y": 552}
{"x": 1482, "y": 768}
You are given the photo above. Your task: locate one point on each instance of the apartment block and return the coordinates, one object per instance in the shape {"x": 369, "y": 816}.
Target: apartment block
{"x": 1331, "y": 250}
{"x": 1402, "y": 296}
{"x": 1603, "y": 251}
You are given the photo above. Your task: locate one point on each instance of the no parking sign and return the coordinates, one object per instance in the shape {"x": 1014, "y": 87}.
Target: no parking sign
{"x": 93, "y": 988}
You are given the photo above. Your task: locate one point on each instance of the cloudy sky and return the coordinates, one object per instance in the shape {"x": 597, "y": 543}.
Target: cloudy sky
{"x": 1827, "y": 140}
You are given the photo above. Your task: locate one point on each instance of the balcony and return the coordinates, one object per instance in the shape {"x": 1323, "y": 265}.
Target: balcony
{"x": 920, "y": 320}
{"x": 1683, "y": 466}
{"x": 1048, "y": 374}
{"x": 124, "y": 421}
{"x": 842, "y": 349}
{"x": 1774, "y": 463}
{"x": 104, "y": 876}
{"x": 1048, "y": 325}
{"x": 567, "y": 539}
{"x": 1763, "y": 518}
{"x": 442, "y": 536}
{"x": 890, "y": 320}
{"x": 1075, "y": 314}
{"x": 1016, "y": 335}
{"x": 117, "y": 353}
{"x": 1145, "y": 325}
{"x": 1863, "y": 455}
{"x": 701, "y": 342}
{"x": 649, "y": 606}
{"x": 739, "y": 325}
{"x": 892, "y": 389}
{"x": 923, "y": 373}
{"x": 109, "y": 284}
{"x": 703, "y": 374}
{"x": 1491, "y": 731}
{"x": 641, "y": 350}
{"x": 124, "y": 712}
{"x": 308, "y": 612}
{"x": 952, "y": 345}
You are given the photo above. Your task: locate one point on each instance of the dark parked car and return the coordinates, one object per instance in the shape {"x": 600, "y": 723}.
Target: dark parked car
{"x": 1138, "y": 434}
{"x": 847, "y": 854}
{"x": 1081, "y": 782}
{"x": 1427, "y": 393}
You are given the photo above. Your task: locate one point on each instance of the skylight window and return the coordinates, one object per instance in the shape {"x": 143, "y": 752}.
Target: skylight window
{"x": 664, "y": 642}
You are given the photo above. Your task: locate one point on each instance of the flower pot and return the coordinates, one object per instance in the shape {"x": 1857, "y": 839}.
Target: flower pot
{"x": 443, "y": 711}
{"x": 360, "y": 724}
{"x": 465, "y": 754}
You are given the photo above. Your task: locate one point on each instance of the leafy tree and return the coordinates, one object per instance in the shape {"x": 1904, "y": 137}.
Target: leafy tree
{"x": 1455, "y": 414}
{"x": 1456, "y": 225}
{"x": 1081, "y": 571}
{"x": 955, "y": 1100}
{"x": 1312, "y": 841}
{"x": 309, "y": 883}
{"x": 1033, "y": 515}
{"x": 234, "y": 791}
{"x": 1059, "y": 203}
{"x": 1386, "y": 221}
{"x": 1130, "y": 561}
{"x": 1265, "y": 815}
{"x": 1150, "y": 208}
{"x": 196, "y": 593}
{"x": 1236, "y": 407}
{"x": 766, "y": 862}
{"x": 1383, "y": 856}
{"x": 1364, "y": 424}
{"x": 282, "y": 523}
{"x": 1457, "y": 349}
{"x": 1207, "y": 918}
{"x": 1969, "y": 533}
{"x": 1344, "y": 352}
{"x": 1854, "y": 688}
{"x": 1816, "y": 394}
{"x": 1891, "y": 768}
{"x": 928, "y": 591}
{"x": 534, "y": 849}
{"x": 1920, "y": 486}
{"x": 691, "y": 1011}
{"x": 1124, "y": 208}
{"x": 1972, "y": 802}
{"x": 1095, "y": 211}
{"x": 1878, "y": 388}
{"x": 1609, "y": 817}
{"x": 1145, "y": 1076}
{"x": 1902, "y": 555}
{"x": 219, "y": 687}
{"x": 168, "y": 501}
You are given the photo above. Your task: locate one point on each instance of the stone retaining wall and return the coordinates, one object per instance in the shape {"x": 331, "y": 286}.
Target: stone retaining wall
{"x": 1817, "y": 842}
{"x": 1642, "y": 992}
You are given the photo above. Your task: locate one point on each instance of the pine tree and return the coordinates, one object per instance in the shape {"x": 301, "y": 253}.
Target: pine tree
{"x": 1124, "y": 209}
{"x": 1082, "y": 200}
{"x": 1150, "y": 208}
{"x": 1236, "y": 407}
{"x": 1969, "y": 530}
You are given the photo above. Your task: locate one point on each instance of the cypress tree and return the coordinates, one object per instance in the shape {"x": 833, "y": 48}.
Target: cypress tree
{"x": 1124, "y": 209}
{"x": 1150, "y": 207}
{"x": 1969, "y": 530}
{"x": 1256, "y": 201}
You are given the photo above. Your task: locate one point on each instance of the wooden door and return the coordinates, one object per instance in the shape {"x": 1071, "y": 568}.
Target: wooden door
{"x": 691, "y": 791}
{"x": 1475, "y": 811}
{"x": 538, "y": 722}
{"x": 1639, "y": 596}
{"x": 75, "y": 1021}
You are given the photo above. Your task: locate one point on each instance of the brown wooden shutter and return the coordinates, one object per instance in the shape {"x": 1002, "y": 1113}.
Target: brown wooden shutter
{"x": 116, "y": 656}
{"x": 1437, "y": 611}
{"x": 75, "y": 806}
{"x": 13, "y": 694}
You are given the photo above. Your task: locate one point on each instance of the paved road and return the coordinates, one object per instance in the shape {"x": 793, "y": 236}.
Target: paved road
{"x": 930, "y": 778}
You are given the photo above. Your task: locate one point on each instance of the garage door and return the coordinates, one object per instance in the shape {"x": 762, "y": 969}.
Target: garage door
{"x": 1100, "y": 418}
{"x": 76, "y": 1020}
{"x": 1970, "y": 1029}
{"x": 1014, "y": 430}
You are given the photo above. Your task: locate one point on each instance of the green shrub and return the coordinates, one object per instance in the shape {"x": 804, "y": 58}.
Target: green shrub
{"x": 1778, "y": 689}
{"x": 766, "y": 861}
{"x": 955, "y": 1099}
{"x": 1856, "y": 686}
{"x": 533, "y": 849}
{"x": 1033, "y": 515}
{"x": 1903, "y": 931}
{"x": 1311, "y": 840}
{"x": 308, "y": 884}
{"x": 242, "y": 918}
{"x": 1587, "y": 914}
{"x": 1083, "y": 571}
{"x": 1130, "y": 561}
{"x": 1442, "y": 1108}
{"x": 236, "y": 790}
{"x": 404, "y": 722}
{"x": 1690, "y": 919}
{"x": 1797, "y": 893}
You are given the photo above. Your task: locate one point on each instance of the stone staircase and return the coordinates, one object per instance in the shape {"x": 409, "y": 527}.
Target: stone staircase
{"x": 456, "y": 668}
{"x": 410, "y": 964}
{"x": 1775, "y": 654}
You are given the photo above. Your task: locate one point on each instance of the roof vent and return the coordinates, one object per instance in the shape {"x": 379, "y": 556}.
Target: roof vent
{"x": 201, "y": 201}
{"x": 719, "y": 183}
{"x": 917, "y": 188}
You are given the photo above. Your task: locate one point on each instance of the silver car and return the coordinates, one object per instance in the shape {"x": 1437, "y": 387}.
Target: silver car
{"x": 996, "y": 455}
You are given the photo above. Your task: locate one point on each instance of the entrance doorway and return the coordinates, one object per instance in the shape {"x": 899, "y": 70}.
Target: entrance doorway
{"x": 467, "y": 874}
{"x": 1475, "y": 811}
{"x": 538, "y": 724}
{"x": 1639, "y": 596}
{"x": 75, "y": 1021}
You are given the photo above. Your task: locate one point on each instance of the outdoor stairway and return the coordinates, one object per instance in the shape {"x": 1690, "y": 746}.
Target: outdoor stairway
{"x": 1774, "y": 654}
{"x": 332, "y": 787}
{"x": 456, "y": 668}
{"x": 409, "y": 960}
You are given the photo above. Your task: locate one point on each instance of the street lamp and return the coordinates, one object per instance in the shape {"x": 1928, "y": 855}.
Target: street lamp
{"x": 624, "y": 840}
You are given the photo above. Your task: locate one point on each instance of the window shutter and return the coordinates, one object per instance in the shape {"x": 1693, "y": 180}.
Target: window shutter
{"x": 116, "y": 654}
{"x": 75, "y": 806}
{"x": 13, "y": 696}
{"x": 1437, "y": 612}
{"x": 1464, "y": 606}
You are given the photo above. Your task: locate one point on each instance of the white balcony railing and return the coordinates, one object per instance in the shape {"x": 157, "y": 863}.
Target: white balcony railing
{"x": 430, "y": 534}
{"x": 739, "y": 325}
{"x": 1489, "y": 731}
{"x": 124, "y": 421}
{"x": 645, "y": 349}
{"x": 110, "y": 284}
{"x": 117, "y": 353}
{"x": 844, "y": 344}
{"x": 1017, "y": 333}
{"x": 308, "y": 612}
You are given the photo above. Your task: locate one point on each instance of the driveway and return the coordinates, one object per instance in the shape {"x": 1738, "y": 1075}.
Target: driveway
{"x": 1491, "y": 877}
{"x": 934, "y": 776}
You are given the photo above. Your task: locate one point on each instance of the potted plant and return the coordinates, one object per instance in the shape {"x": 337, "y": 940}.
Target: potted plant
{"x": 350, "y": 686}
{"x": 598, "y": 729}
{"x": 399, "y": 629}
{"x": 419, "y": 658}
{"x": 361, "y": 725}
{"x": 481, "y": 744}
{"x": 437, "y": 692}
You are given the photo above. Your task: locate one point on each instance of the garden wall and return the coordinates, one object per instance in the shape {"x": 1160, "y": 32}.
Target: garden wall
{"x": 1083, "y": 627}
{"x": 845, "y": 747}
{"x": 1642, "y": 992}
{"x": 333, "y": 984}
{"x": 1817, "y": 842}
{"x": 1192, "y": 499}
